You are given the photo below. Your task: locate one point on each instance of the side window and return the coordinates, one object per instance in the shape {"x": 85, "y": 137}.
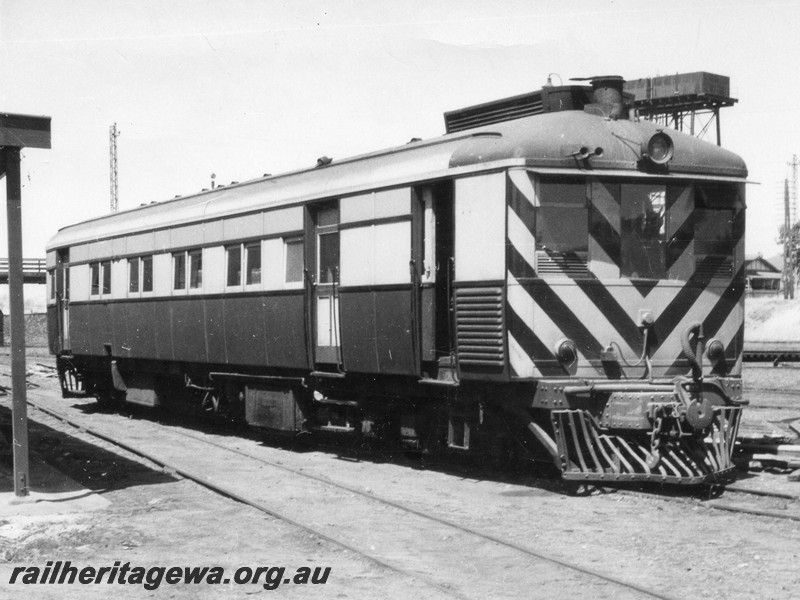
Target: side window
{"x": 293, "y": 254}
{"x": 195, "y": 269}
{"x": 140, "y": 274}
{"x": 95, "y": 269}
{"x": 253, "y": 253}
{"x": 51, "y": 283}
{"x": 234, "y": 261}
{"x": 179, "y": 271}
{"x": 147, "y": 273}
{"x": 101, "y": 278}
{"x": 133, "y": 274}
{"x": 105, "y": 270}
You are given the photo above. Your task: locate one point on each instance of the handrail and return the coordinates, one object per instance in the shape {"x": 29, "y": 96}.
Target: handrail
{"x": 29, "y": 265}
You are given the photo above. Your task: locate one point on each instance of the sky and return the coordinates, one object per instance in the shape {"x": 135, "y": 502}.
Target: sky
{"x": 246, "y": 87}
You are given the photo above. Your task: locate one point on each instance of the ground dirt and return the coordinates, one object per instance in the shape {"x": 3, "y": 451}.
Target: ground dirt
{"x": 772, "y": 319}
{"x": 156, "y": 518}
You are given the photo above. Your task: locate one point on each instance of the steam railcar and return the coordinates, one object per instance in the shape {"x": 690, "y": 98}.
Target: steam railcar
{"x": 553, "y": 276}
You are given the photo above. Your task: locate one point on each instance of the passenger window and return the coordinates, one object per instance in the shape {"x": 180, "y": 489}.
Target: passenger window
{"x": 234, "y": 265}
{"x": 293, "y": 248}
{"x": 101, "y": 278}
{"x": 253, "y": 253}
{"x": 195, "y": 269}
{"x": 179, "y": 271}
{"x": 95, "y": 268}
{"x": 147, "y": 273}
{"x": 133, "y": 275}
{"x": 105, "y": 270}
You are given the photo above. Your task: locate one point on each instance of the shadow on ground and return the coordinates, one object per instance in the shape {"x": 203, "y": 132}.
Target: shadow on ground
{"x": 85, "y": 465}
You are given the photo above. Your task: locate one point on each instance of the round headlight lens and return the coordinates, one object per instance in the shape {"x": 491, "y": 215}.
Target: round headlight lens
{"x": 715, "y": 349}
{"x": 566, "y": 351}
{"x": 660, "y": 148}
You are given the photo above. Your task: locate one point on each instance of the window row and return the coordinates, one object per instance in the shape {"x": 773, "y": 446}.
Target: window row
{"x": 374, "y": 254}
{"x": 242, "y": 266}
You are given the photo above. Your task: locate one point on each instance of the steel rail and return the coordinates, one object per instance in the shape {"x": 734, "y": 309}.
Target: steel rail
{"x": 724, "y": 507}
{"x": 772, "y": 391}
{"x": 753, "y": 511}
{"x": 743, "y": 490}
{"x": 227, "y": 492}
{"x": 729, "y": 508}
{"x": 396, "y": 505}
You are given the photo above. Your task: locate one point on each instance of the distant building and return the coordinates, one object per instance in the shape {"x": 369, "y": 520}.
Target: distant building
{"x": 763, "y": 278}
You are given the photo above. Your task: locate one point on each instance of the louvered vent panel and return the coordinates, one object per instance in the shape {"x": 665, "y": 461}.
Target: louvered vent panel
{"x": 479, "y": 327}
{"x": 716, "y": 267}
{"x": 459, "y": 121}
{"x": 565, "y": 265}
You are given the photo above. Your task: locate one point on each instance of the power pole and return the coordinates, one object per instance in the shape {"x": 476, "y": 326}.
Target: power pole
{"x": 788, "y": 272}
{"x": 112, "y": 135}
{"x": 793, "y": 190}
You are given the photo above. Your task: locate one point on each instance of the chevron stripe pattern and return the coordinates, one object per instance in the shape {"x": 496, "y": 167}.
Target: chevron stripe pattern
{"x": 593, "y": 306}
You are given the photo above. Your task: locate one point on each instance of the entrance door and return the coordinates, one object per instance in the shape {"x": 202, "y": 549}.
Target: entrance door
{"x": 327, "y": 343}
{"x": 436, "y": 274}
{"x": 62, "y": 297}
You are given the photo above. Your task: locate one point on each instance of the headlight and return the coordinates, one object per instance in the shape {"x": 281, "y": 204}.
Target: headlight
{"x": 715, "y": 350}
{"x": 566, "y": 351}
{"x": 660, "y": 148}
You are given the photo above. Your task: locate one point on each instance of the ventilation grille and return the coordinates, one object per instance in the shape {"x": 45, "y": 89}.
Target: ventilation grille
{"x": 568, "y": 264}
{"x": 715, "y": 267}
{"x": 479, "y": 327}
{"x": 496, "y": 113}
{"x": 548, "y": 99}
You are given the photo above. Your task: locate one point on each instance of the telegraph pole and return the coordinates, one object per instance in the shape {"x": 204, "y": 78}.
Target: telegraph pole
{"x": 788, "y": 272}
{"x": 113, "y": 134}
{"x": 793, "y": 190}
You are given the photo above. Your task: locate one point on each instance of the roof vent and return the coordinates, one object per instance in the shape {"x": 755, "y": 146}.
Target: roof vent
{"x": 607, "y": 97}
{"x": 548, "y": 99}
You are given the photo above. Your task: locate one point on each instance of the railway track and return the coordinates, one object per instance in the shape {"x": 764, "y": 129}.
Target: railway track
{"x": 448, "y": 547}
{"x": 772, "y": 351}
{"x": 698, "y": 500}
{"x": 468, "y": 541}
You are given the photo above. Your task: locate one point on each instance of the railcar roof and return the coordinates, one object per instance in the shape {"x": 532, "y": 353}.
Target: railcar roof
{"x": 546, "y": 141}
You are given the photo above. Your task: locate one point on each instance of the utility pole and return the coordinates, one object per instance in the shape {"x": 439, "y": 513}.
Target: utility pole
{"x": 788, "y": 272}
{"x": 793, "y": 190}
{"x": 112, "y": 140}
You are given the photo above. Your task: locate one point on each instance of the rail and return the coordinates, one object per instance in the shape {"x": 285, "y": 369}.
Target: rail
{"x": 775, "y": 351}
{"x": 34, "y": 270}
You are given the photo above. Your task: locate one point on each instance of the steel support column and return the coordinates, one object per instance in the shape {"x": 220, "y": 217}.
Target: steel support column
{"x": 17, "y": 317}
